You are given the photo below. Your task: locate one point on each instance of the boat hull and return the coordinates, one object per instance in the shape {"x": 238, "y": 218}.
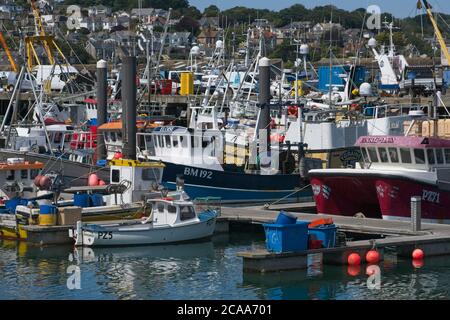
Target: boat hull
{"x": 395, "y": 193}
{"x": 237, "y": 187}
{"x": 148, "y": 235}
{"x": 345, "y": 195}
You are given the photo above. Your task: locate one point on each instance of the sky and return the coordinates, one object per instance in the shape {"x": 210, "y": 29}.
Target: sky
{"x": 399, "y": 8}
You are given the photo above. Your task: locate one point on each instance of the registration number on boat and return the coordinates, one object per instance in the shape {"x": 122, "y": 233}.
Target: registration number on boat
{"x": 194, "y": 172}
{"x": 105, "y": 235}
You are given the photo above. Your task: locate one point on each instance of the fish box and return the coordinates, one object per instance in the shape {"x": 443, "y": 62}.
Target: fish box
{"x": 286, "y": 238}
{"x": 325, "y": 233}
{"x": 69, "y": 216}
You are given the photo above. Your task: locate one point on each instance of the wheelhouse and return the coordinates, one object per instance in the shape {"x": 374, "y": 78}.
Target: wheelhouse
{"x": 410, "y": 152}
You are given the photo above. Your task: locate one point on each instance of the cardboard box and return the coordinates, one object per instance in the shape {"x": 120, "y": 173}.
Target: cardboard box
{"x": 69, "y": 215}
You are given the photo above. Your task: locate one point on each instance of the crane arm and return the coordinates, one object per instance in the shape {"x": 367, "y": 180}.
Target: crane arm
{"x": 439, "y": 36}
{"x": 8, "y": 53}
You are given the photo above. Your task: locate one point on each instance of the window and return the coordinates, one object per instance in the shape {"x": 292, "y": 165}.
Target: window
{"x": 373, "y": 154}
{"x": 419, "y": 155}
{"x": 115, "y": 176}
{"x": 439, "y": 156}
{"x": 149, "y": 174}
{"x": 406, "y": 155}
{"x": 34, "y": 173}
{"x": 383, "y": 155}
{"x": 24, "y": 174}
{"x": 168, "y": 144}
{"x": 171, "y": 209}
{"x": 365, "y": 155}
{"x": 175, "y": 142}
{"x": 431, "y": 158}
{"x": 113, "y": 137}
{"x": 393, "y": 154}
{"x": 447, "y": 155}
{"x": 184, "y": 142}
{"x": 11, "y": 175}
{"x": 187, "y": 213}
{"x": 161, "y": 207}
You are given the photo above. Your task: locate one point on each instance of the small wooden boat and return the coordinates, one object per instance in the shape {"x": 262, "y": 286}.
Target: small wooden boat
{"x": 170, "y": 221}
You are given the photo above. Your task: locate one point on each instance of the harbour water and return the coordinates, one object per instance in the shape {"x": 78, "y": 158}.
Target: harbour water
{"x": 204, "y": 270}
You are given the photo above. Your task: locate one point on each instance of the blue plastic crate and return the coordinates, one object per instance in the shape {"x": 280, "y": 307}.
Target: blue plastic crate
{"x": 326, "y": 233}
{"x": 286, "y": 238}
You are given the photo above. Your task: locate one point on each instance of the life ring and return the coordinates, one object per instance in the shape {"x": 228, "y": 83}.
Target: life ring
{"x": 293, "y": 111}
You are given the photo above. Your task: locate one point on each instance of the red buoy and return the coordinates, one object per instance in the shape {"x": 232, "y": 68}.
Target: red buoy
{"x": 45, "y": 183}
{"x": 37, "y": 180}
{"x": 418, "y": 254}
{"x": 417, "y": 263}
{"x": 101, "y": 183}
{"x": 372, "y": 256}
{"x": 118, "y": 155}
{"x": 354, "y": 259}
{"x": 353, "y": 270}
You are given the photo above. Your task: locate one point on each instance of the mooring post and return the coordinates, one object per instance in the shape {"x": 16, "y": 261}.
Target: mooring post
{"x": 416, "y": 213}
{"x": 102, "y": 106}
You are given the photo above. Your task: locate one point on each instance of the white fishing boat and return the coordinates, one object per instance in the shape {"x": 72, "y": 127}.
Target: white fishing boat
{"x": 170, "y": 221}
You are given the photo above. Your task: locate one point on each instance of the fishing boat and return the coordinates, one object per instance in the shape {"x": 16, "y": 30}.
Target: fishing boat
{"x": 392, "y": 171}
{"x": 170, "y": 221}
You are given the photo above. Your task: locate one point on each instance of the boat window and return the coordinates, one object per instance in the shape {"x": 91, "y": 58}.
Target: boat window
{"x": 447, "y": 155}
{"x": 175, "y": 142}
{"x": 373, "y": 154}
{"x": 171, "y": 209}
{"x": 406, "y": 155}
{"x": 149, "y": 174}
{"x": 383, "y": 155}
{"x": 113, "y": 136}
{"x": 431, "y": 158}
{"x": 439, "y": 156}
{"x": 10, "y": 176}
{"x": 119, "y": 135}
{"x": 419, "y": 155}
{"x": 184, "y": 142}
{"x": 393, "y": 154}
{"x": 365, "y": 155}
{"x": 161, "y": 207}
{"x": 186, "y": 213}
{"x": 168, "y": 144}
{"x": 24, "y": 174}
{"x": 115, "y": 175}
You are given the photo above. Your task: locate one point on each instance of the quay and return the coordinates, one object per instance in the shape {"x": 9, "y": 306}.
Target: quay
{"x": 433, "y": 239}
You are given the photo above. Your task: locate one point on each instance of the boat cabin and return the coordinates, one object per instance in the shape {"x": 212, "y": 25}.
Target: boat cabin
{"x": 167, "y": 211}
{"x": 419, "y": 153}
{"x": 181, "y": 145}
{"x": 17, "y": 175}
{"x": 139, "y": 178}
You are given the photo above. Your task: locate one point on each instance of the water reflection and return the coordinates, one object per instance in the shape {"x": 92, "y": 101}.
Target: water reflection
{"x": 204, "y": 270}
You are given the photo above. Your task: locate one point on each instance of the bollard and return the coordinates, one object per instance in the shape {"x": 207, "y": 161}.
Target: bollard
{"x": 416, "y": 213}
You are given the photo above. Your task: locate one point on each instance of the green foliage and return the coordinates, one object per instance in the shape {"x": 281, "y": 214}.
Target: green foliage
{"x": 211, "y": 11}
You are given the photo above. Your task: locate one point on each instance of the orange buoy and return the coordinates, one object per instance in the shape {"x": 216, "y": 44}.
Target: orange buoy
{"x": 101, "y": 183}
{"x": 372, "y": 256}
{"x": 354, "y": 259}
{"x": 93, "y": 180}
{"x": 353, "y": 270}
{"x": 418, "y": 263}
{"x": 418, "y": 254}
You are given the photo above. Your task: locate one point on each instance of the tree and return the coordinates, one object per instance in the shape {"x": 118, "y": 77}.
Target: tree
{"x": 188, "y": 24}
{"x": 211, "y": 11}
